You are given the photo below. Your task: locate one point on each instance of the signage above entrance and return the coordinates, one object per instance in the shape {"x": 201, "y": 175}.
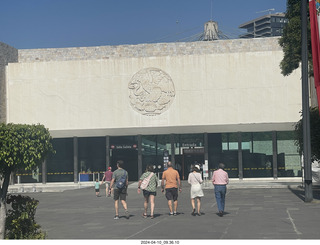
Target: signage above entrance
{"x": 123, "y": 147}
{"x": 193, "y": 151}
{"x": 189, "y": 145}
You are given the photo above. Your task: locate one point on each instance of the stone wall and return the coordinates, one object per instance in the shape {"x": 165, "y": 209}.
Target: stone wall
{"x": 7, "y": 55}
{"x": 164, "y": 88}
{"x": 150, "y": 50}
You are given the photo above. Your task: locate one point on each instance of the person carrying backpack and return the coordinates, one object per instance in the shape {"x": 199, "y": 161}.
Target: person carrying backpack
{"x": 119, "y": 184}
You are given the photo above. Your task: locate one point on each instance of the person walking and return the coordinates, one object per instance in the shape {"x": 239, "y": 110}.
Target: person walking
{"x": 150, "y": 191}
{"x": 107, "y": 178}
{"x": 220, "y": 179}
{"x": 119, "y": 184}
{"x": 170, "y": 182}
{"x": 97, "y": 188}
{"x": 195, "y": 180}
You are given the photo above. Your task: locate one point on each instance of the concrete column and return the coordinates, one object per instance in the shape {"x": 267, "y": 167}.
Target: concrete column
{"x": 275, "y": 154}
{"x": 44, "y": 171}
{"x": 206, "y": 148}
{"x": 75, "y": 159}
{"x": 108, "y": 152}
{"x": 240, "y": 162}
{"x": 173, "y": 150}
{"x": 139, "y": 155}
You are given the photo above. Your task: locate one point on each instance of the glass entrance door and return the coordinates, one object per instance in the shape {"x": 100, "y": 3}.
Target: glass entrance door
{"x": 130, "y": 161}
{"x": 125, "y": 148}
{"x": 190, "y": 158}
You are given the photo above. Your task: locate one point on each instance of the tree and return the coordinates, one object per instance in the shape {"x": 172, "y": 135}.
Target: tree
{"x": 291, "y": 45}
{"x": 20, "y": 221}
{"x": 21, "y": 147}
{"x": 314, "y": 134}
{"x": 290, "y": 41}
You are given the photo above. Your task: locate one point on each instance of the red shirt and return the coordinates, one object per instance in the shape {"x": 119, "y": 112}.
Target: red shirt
{"x": 108, "y": 175}
{"x": 220, "y": 177}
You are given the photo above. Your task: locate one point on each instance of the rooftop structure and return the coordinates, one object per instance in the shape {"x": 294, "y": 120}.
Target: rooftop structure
{"x": 269, "y": 25}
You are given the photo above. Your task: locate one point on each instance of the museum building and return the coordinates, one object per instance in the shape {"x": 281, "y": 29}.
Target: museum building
{"x": 195, "y": 102}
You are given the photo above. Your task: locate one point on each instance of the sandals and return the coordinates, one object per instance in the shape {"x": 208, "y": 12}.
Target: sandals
{"x": 146, "y": 216}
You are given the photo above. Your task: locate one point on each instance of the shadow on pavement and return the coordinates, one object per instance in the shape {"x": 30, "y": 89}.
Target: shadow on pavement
{"x": 300, "y": 192}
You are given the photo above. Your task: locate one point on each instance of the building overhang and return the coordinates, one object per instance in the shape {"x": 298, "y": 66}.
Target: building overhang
{"x": 196, "y": 129}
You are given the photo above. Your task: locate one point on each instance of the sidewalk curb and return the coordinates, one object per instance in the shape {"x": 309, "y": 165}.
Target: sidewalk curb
{"x": 233, "y": 184}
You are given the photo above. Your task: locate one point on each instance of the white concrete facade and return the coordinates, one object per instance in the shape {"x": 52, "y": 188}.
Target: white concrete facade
{"x": 213, "y": 92}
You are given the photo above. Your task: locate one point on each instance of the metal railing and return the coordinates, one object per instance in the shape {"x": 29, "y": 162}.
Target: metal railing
{"x": 85, "y": 177}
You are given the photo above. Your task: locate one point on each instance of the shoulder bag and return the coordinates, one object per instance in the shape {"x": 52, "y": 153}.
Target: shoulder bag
{"x": 145, "y": 181}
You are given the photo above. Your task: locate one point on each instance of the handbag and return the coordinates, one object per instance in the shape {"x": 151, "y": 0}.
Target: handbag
{"x": 196, "y": 178}
{"x": 145, "y": 182}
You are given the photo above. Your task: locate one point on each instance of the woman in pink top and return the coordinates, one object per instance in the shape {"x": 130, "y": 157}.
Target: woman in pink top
{"x": 220, "y": 180}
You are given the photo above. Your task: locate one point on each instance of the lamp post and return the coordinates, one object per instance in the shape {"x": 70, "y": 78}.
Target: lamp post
{"x": 305, "y": 106}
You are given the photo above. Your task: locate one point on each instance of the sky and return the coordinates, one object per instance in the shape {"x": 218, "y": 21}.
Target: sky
{"x": 33, "y": 24}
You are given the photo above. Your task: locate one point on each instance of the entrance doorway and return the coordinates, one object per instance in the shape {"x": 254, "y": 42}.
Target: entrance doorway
{"x": 130, "y": 160}
{"x": 190, "y": 158}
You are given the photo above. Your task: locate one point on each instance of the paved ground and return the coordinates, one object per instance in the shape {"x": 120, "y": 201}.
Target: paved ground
{"x": 251, "y": 213}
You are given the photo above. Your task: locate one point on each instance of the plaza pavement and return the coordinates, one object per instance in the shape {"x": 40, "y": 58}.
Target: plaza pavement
{"x": 273, "y": 210}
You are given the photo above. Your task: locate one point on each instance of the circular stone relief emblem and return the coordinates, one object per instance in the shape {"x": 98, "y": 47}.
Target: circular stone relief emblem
{"x": 151, "y": 91}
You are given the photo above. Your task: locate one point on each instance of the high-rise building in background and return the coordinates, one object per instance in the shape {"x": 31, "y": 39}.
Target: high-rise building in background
{"x": 269, "y": 25}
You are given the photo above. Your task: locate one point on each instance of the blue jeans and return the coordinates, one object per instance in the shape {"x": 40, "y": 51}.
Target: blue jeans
{"x": 220, "y": 193}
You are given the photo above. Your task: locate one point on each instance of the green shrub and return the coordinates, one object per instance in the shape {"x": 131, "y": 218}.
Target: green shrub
{"x": 20, "y": 222}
